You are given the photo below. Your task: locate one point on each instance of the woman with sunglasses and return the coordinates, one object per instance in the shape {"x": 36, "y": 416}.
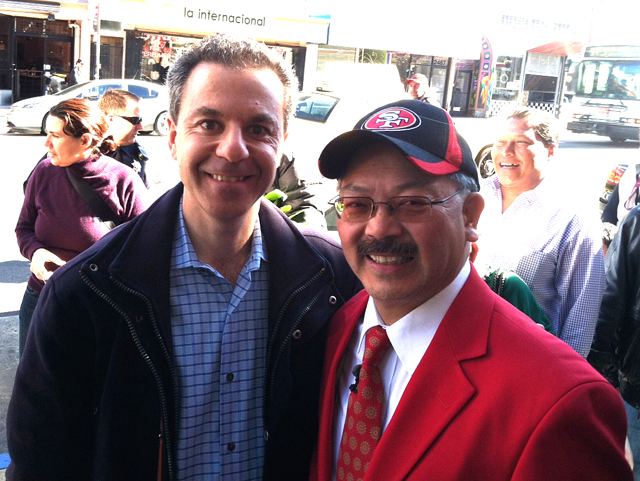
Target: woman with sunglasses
{"x": 56, "y": 223}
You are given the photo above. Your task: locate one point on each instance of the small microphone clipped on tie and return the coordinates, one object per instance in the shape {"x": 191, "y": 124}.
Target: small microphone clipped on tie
{"x": 356, "y": 372}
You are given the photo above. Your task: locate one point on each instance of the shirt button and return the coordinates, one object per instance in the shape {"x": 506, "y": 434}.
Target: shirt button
{"x": 231, "y": 447}
{"x": 230, "y": 377}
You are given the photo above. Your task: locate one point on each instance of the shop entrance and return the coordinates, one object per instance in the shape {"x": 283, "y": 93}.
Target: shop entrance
{"x": 42, "y": 56}
{"x": 460, "y": 97}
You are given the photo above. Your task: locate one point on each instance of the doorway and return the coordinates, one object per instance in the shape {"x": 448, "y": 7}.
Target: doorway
{"x": 42, "y": 57}
{"x": 460, "y": 97}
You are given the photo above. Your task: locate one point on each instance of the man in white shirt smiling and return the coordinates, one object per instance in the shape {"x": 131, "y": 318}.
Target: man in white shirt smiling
{"x": 528, "y": 228}
{"x": 428, "y": 374}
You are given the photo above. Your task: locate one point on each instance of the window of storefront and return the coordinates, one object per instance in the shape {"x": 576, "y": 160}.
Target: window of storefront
{"x": 507, "y": 78}
{"x": 542, "y": 72}
{"x": 39, "y": 54}
{"x": 149, "y": 56}
{"x": 434, "y": 68}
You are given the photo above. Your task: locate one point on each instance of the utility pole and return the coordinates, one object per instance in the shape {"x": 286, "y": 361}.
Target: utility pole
{"x": 96, "y": 30}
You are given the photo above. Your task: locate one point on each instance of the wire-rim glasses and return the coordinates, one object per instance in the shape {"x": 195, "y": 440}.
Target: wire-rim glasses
{"x": 405, "y": 208}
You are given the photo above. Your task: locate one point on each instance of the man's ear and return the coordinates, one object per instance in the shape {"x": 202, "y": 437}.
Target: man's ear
{"x": 471, "y": 210}
{"x": 173, "y": 131}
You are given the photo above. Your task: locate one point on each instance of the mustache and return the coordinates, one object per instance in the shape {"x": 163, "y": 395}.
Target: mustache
{"x": 386, "y": 246}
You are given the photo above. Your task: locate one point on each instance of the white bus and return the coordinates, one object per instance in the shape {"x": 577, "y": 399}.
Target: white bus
{"x": 607, "y": 98}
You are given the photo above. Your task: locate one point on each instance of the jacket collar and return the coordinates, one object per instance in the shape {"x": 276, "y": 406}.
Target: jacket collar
{"x": 142, "y": 259}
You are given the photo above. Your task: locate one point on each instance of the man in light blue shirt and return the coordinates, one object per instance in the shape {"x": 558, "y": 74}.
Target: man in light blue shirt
{"x": 528, "y": 228}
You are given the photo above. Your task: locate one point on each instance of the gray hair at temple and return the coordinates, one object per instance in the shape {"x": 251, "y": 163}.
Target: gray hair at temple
{"x": 543, "y": 124}
{"x": 231, "y": 52}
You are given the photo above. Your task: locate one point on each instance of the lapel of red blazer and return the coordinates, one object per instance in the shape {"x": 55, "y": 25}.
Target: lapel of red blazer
{"x": 340, "y": 330}
{"x": 438, "y": 389}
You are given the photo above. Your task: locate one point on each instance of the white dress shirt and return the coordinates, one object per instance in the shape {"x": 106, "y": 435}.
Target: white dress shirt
{"x": 410, "y": 337}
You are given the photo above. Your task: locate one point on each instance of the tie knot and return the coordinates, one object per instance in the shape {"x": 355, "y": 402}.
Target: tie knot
{"x": 376, "y": 344}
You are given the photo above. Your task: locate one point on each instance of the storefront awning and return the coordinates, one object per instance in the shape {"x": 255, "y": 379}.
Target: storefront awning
{"x": 561, "y": 48}
{"x": 30, "y": 6}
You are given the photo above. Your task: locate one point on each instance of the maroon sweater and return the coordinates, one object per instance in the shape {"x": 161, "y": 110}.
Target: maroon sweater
{"x": 56, "y": 217}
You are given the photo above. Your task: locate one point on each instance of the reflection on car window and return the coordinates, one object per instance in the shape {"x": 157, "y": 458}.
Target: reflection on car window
{"x": 143, "y": 92}
{"x": 98, "y": 90}
{"x": 315, "y": 107}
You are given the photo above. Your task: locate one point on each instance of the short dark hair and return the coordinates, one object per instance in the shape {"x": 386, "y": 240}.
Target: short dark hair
{"x": 231, "y": 52}
{"x": 115, "y": 100}
{"x": 543, "y": 124}
{"x": 80, "y": 116}
{"x": 465, "y": 182}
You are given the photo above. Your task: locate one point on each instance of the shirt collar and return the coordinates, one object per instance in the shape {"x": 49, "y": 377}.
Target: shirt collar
{"x": 185, "y": 254}
{"x": 411, "y": 335}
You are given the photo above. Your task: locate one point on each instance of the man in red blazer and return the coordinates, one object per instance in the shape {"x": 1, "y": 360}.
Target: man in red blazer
{"x": 469, "y": 388}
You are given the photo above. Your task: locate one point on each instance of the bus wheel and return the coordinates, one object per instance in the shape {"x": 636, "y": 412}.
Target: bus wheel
{"x": 617, "y": 140}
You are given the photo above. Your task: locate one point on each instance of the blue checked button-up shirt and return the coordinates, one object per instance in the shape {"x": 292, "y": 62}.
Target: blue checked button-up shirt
{"x": 555, "y": 249}
{"x": 220, "y": 343}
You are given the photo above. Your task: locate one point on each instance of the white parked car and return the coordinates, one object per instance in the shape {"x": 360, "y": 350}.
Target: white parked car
{"x": 29, "y": 115}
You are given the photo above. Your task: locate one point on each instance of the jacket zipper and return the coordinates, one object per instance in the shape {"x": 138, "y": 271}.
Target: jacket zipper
{"x": 286, "y": 340}
{"x": 143, "y": 353}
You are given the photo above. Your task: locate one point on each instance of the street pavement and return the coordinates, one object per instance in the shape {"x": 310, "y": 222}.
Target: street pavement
{"x": 585, "y": 160}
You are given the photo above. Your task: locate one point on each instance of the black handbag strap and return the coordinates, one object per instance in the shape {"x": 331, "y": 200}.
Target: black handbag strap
{"x": 92, "y": 198}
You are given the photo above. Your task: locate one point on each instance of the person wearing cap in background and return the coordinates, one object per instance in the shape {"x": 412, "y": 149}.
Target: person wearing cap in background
{"x": 428, "y": 374}
{"x": 551, "y": 242}
{"x": 419, "y": 89}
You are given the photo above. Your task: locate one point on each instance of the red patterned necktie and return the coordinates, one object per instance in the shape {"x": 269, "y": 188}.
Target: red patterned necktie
{"x": 363, "y": 424}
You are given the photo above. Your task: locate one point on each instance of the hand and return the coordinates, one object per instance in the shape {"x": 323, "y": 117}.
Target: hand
{"x": 44, "y": 262}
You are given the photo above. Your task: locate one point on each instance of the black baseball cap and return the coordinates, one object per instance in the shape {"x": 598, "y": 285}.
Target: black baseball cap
{"x": 424, "y": 133}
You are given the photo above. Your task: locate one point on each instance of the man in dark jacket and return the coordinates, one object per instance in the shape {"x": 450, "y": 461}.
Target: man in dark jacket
{"x": 122, "y": 110}
{"x": 188, "y": 343}
{"x": 615, "y": 351}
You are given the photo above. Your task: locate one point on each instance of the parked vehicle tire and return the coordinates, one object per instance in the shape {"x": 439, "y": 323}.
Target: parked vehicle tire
{"x": 617, "y": 140}
{"x": 161, "y": 125}
{"x": 484, "y": 162}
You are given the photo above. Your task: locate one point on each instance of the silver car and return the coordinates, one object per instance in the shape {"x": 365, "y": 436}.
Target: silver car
{"x": 29, "y": 115}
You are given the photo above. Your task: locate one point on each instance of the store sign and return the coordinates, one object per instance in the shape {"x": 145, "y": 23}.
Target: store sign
{"x": 249, "y": 18}
{"x": 543, "y": 64}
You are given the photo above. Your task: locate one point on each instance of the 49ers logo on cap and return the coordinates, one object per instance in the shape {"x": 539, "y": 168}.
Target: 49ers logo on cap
{"x": 394, "y": 118}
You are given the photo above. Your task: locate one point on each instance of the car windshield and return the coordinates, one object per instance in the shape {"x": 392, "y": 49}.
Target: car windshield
{"x": 608, "y": 79}
{"x": 315, "y": 107}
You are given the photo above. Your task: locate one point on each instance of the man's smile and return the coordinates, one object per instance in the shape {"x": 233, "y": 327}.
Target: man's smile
{"x": 223, "y": 178}
{"x": 389, "y": 259}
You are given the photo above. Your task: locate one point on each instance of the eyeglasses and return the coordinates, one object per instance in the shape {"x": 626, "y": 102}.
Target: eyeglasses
{"x": 131, "y": 120}
{"x": 413, "y": 208}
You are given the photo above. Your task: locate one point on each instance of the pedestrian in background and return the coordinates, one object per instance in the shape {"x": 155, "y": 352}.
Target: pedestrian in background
{"x": 122, "y": 111}
{"x": 615, "y": 351}
{"x": 543, "y": 237}
{"x": 420, "y": 89}
{"x": 56, "y": 223}
{"x": 76, "y": 76}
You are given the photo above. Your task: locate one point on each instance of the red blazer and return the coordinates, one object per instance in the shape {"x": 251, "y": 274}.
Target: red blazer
{"x": 494, "y": 398}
